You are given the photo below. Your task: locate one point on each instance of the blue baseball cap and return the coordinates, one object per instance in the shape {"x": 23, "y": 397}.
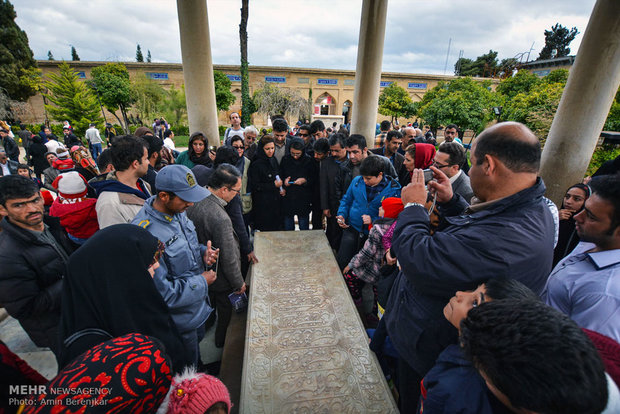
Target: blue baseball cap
{"x": 181, "y": 181}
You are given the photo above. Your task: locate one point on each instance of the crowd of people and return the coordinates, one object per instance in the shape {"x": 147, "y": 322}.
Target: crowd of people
{"x": 479, "y": 294}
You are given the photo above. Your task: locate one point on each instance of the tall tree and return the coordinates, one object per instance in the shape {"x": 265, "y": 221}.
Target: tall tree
{"x": 394, "y": 101}
{"x": 148, "y": 56}
{"x": 139, "y": 57}
{"x": 74, "y": 55}
{"x": 15, "y": 55}
{"x": 49, "y": 55}
{"x": 247, "y": 105}
{"x": 114, "y": 87}
{"x": 223, "y": 96}
{"x": 484, "y": 65}
{"x": 71, "y": 99}
{"x": 557, "y": 39}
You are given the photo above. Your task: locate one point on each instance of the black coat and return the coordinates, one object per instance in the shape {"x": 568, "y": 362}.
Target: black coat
{"x": 37, "y": 153}
{"x": 31, "y": 280}
{"x": 11, "y": 148}
{"x": 330, "y": 168}
{"x": 266, "y": 199}
{"x": 71, "y": 140}
{"x": 298, "y": 197}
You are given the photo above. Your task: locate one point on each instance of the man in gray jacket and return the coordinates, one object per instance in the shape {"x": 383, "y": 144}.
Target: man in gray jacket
{"x": 213, "y": 223}
{"x": 182, "y": 278}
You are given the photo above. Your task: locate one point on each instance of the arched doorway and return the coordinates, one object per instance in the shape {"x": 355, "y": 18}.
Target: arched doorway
{"x": 346, "y": 111}
{"x": 325, "y": 104}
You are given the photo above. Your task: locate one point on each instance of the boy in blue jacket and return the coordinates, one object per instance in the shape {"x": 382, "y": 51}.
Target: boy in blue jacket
{"x": 360, "y": 206}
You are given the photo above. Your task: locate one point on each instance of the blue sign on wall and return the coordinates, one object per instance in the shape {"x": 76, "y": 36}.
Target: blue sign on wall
{"x": 385, "y": 84}
{"x": 414, "y": 85}
{"x": 327, "y": 81}
{"x": 234, "y": 78}
{"x": 275, "y": 79}
{"x": 349, "y": 82}
{"x": 82, "y": 75}
{"x": 157, "y": 75}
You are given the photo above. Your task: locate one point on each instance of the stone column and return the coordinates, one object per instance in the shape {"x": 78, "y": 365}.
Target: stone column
{"x": 585, "y": 103}
{"x": 368, "y": 69}
{"x": 198, "y": 68}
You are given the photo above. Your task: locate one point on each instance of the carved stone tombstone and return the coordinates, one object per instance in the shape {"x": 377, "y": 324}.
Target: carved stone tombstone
{"x": 306, "y": 349}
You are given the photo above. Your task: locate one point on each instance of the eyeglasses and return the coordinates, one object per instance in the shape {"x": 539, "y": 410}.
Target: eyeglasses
{"x": 232, "y": 189}
{"x": 238, "y": 147}
{"x": 437, "y": 165}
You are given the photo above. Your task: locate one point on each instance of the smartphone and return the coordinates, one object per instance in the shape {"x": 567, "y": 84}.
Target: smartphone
{"x": 428, "y": 175}
{"x": 212, "y": 148}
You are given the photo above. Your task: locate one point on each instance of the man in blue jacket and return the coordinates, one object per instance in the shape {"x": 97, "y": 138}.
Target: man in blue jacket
{"x": 507, "y": 231}
{"x": 181, "y": 278}
{"x": 360, "y": 206}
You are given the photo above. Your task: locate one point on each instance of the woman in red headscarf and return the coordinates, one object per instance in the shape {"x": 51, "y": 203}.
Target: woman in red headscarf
{"x": 416, "y": 156}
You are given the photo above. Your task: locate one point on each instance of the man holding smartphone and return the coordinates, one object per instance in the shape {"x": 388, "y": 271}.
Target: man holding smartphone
{"x": 213, "y": 223}
{"x": 182, "y": 278}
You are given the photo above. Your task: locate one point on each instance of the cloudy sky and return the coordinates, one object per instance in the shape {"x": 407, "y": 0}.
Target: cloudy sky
{"x": 301, "y": 33}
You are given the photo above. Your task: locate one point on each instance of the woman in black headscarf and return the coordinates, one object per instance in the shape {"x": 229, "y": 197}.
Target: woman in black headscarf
{"x": 109, "y": 292}
{"x": 266, "y": 199}
{"x": 573, "y": 202}
{"x": 197, "y": 153}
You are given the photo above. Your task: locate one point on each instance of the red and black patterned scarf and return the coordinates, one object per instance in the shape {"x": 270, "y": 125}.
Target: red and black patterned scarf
{"x": 128, "y": 374}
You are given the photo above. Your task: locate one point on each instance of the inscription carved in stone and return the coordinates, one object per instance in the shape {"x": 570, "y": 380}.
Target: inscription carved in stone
{"x": 306, "y": 349}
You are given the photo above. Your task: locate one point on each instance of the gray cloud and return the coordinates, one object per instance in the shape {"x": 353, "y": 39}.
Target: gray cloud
{"x": 317, "y": 34}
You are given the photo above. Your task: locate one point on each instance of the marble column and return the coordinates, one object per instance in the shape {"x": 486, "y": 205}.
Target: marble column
{"x": 368, "y": 69}
{"x": 585, "y": 103}
{"x": 198, "y": 68}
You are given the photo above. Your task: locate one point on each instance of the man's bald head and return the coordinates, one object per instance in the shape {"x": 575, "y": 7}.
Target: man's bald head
{"x": 514, "y": 144}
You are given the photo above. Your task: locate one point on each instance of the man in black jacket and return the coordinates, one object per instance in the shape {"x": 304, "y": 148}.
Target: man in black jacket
{"x": 10, "y": 146}
{"x": 507, "y": 231}
{"x": 330, "y": 201}
{"x": 34, "y": 250}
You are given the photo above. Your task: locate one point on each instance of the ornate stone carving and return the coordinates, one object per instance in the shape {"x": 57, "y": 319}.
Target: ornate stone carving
{"x": 306, "y": 350}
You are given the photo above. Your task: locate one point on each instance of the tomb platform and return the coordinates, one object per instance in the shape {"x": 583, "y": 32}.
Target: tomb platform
{"x": 306, "y": 350}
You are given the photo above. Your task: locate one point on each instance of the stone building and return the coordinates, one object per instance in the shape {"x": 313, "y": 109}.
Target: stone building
{"x": 331, "y": 90}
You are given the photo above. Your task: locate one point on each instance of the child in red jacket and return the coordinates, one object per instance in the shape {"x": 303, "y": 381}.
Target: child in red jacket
{"x": 76, "y": 211}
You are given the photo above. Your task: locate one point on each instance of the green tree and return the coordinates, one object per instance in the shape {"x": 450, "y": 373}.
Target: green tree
{"x": 74, "y": 55}
{"x": 139, "y": 57}
{"x": 148, "y": 56}
{"x": 535, "y": 105}
{"x": 49, "y": 55}
{"x": 223, "y": 96}
{"x": 463, "y": 101}
{"x": 395, "y": 102}
{"x": 484, "y": 65}
{"x": 175, "y": 106}
{"x": 15, "y": 55}
{"x": 613, "y": 119}
{"x": 114, "y": 87}
{"x": 71, "y": 99}
{"x": 271, "y": 100}
{"x": 557, "y": 39}
{"x": 149, "y": 96}
{"x": 522, "y": 82}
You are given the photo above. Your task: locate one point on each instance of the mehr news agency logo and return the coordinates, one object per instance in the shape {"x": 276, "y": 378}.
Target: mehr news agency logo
{"x": 19, "y": 395}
